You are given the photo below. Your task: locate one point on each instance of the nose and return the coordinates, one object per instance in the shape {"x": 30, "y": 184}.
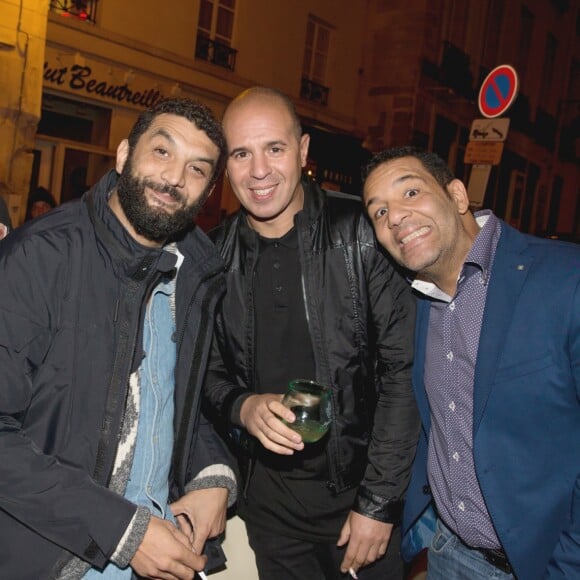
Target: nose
{"x": 260, "y": 167}
{"x": 174, "y": 175}
{"x": 397, "y": 214}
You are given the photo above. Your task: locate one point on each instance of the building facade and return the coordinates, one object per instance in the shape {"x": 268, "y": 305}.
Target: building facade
{"x": 364, "y": 75}
{"x": 425, "y": 62}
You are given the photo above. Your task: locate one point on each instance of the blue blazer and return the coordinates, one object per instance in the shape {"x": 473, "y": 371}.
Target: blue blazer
{"x": 526, "y": 408}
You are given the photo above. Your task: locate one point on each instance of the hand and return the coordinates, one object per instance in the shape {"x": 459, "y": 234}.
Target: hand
{"x": 262, "y": 416}
{"x": 166, "y": 553}
{"x": 3, "y": 231}
{"x": 201, "y": 514}
{"x": 367, "y": 541}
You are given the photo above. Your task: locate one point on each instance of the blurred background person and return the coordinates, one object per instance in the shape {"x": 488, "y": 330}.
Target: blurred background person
{"x": 5, "y": 223}
{"x": 39, "y": 201}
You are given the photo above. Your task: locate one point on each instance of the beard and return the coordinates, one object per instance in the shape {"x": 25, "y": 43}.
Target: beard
{"x": 155, "y": 223}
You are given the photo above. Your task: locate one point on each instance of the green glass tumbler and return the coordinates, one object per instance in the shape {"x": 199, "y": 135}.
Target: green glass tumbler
{"x": 310, "y": 402}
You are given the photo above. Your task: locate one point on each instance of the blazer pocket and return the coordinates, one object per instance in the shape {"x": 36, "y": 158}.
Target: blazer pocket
{"x": 527, "y": 367}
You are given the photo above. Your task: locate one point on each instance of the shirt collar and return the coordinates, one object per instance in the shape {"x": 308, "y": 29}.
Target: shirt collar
{"x": 288, "y": 240}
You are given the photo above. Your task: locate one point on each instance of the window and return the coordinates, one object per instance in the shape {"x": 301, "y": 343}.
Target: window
{"x": 77, "y": 9}
{"x": 548, "y": 70}
{"x": 315, "y": 63}
{"x": 493, "y": 33}
{"x": 316, "y": 51}
{"x": 525, "y": 46}
{"x": 215, "y": 31}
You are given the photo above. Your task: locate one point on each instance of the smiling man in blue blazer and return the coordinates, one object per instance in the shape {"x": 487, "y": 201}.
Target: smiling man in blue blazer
{"x": 496, "y": 376}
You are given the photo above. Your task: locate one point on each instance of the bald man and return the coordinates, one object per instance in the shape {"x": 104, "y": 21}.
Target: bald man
{"x": 310, "y": 295}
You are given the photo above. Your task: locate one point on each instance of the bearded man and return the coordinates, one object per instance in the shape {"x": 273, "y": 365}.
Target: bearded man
{"x": 106, "y": 315}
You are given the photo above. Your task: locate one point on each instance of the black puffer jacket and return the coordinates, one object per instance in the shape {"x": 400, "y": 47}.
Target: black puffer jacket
{"x": 360, "y": 314}
{"x": 73, "y": 285}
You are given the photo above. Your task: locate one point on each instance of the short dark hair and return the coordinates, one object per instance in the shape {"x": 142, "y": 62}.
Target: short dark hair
{"x": 200, "y": 115}
{"x": 430, "y": 161}
{"x": 274, "y": 94}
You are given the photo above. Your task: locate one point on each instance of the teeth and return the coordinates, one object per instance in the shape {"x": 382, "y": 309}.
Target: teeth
{"x": 263, "y": 192}
{"x": 414, "y": 235}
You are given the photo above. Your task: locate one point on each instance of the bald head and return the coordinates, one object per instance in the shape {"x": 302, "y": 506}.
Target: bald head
{"x": 268, "y": 96}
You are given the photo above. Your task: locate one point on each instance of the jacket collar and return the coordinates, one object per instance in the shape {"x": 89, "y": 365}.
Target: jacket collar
{"x": 125, "y": 252}
{"x": 129, "y": 254}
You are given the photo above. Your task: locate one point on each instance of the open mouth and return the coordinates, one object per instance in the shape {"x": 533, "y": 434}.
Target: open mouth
{"x": 164, "y": 195}
{"x": 263, "y": 192}
{"x": 414, "y": 235}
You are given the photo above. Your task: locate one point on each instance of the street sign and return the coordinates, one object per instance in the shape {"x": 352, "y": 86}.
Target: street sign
{"x": 489, "y": 129}
{"x": 498, "y": 91}
{"x": 483, "y": 152}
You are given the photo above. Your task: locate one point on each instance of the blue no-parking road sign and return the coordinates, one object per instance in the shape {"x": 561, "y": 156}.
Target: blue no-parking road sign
{"x": 498, "y": 91}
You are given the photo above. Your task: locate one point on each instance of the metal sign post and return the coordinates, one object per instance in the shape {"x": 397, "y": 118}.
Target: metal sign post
{"x": 496, "y": 95}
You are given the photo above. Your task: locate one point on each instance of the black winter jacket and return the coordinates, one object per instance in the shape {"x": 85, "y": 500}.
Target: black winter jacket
{"x": 73, "y": 285}
{"x": 360, "y": 314}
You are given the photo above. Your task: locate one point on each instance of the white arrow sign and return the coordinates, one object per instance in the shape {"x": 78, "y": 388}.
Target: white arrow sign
{"x": 489, "y": 129}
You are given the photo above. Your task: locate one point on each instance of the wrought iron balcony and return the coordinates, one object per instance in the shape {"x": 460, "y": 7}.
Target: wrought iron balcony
{"x": 84, "y": 10}
{"x": 314, "y": 92}
{"x": 215, "y": 52}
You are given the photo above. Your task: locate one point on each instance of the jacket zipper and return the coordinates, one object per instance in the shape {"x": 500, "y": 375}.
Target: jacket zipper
{"x": 123, "y": 356}
{"x": 331, "y": 483}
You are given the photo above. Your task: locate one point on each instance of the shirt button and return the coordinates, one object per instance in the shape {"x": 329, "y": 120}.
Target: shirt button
{"x": 276, "y": 265}
{"x": 461, "y": 506}
{"x": 452, "y": 406}
{"x": 455, "y": 456}
{"x": 450, "y": 355}
{"x": 278, "y": 288}
{"x": 452, "y": 306}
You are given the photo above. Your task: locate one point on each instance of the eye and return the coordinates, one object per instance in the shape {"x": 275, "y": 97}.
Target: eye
{"x": 239, "y": 155}
{"x": 411, "y": 193}
{"x": 381, "y": 212}
{"x": 161, "y": 151}
{"x": 197, "y": 170}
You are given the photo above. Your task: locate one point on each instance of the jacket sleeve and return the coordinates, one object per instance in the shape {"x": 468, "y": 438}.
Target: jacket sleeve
{"x": 225, "y": 397}
{"x": 565, "y": 561}
{"x": 396, "y": 421}
{"x": 211, "y": 466}
{"x": 57, "y": 500}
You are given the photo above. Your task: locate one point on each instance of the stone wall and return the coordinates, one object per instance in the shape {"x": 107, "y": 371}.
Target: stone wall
{"x": 22, "y": 42}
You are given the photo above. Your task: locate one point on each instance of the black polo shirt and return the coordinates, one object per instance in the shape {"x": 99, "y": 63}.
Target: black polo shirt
{"x": 288, "y": 494}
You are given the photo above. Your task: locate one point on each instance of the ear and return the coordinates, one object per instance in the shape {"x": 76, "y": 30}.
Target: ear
{"x": 458, "y": 193}
{"x": 122, "y": 155}
{"x": 304, "y": 144}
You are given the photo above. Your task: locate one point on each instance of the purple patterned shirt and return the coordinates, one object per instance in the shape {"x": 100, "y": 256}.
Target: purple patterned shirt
{"x": 453, "y": 338}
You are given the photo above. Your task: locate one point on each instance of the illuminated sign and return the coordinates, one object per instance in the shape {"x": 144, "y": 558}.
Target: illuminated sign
{"x": 80, "y": 78}
{"x": 76, "y": 74}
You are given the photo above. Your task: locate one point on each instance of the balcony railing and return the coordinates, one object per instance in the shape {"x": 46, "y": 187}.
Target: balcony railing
{"x": 215, "y": 52}
{"x": 85, "y": 10}
{"x": 314, "y": 92}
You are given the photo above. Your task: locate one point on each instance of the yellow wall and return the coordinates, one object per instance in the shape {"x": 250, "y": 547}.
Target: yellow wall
{"x": 22, "y": 40}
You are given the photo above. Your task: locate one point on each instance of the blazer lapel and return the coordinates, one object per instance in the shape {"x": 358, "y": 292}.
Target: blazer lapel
{"x": 509, "y": 272}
